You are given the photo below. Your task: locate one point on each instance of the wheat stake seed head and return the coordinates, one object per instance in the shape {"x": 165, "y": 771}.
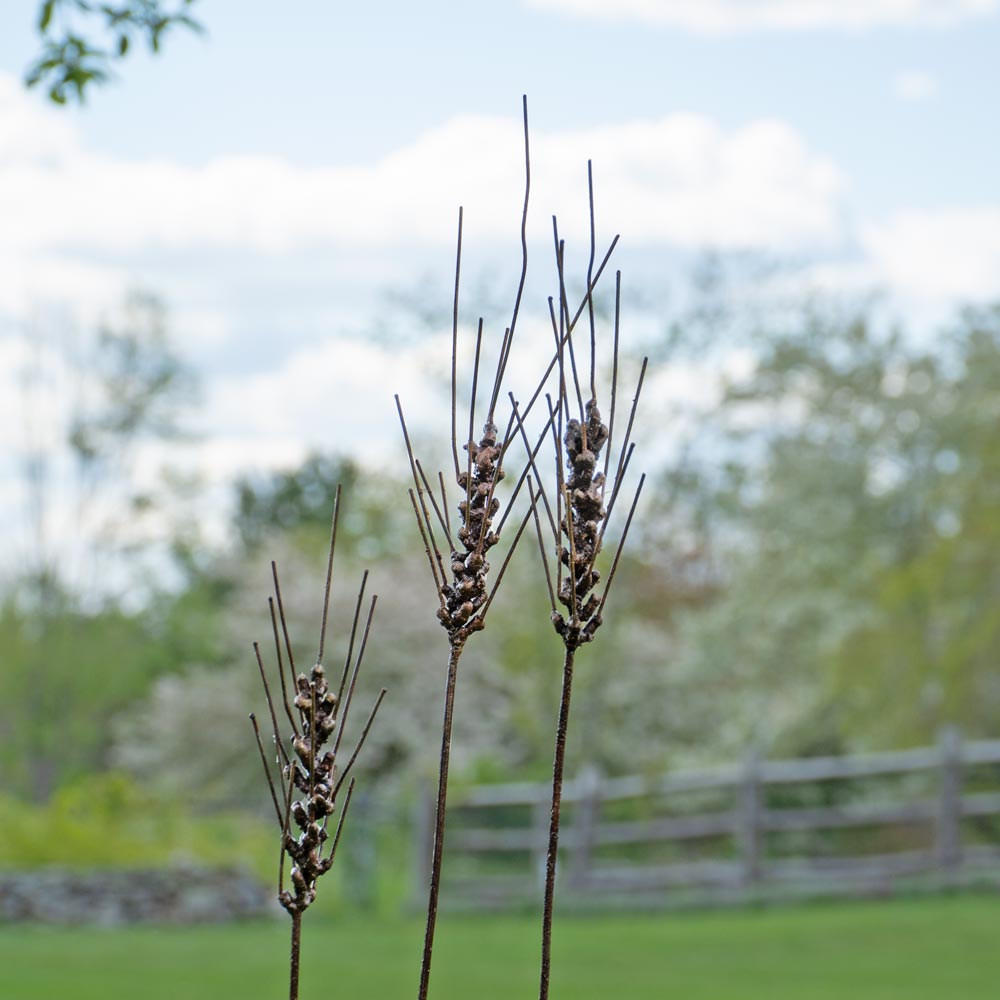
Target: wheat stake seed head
{"x": 309, "y": 778}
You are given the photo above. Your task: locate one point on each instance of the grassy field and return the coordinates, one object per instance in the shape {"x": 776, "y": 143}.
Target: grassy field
{"x": 943, "y": 949}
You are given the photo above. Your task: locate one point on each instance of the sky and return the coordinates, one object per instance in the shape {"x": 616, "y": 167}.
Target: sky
{"x": 289, "y": 183}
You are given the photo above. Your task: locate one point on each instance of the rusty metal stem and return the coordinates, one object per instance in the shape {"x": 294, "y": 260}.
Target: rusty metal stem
{"x": 439, "y": 817}
{"x": 550, "y": 859}
{"x": 293, "y": 986}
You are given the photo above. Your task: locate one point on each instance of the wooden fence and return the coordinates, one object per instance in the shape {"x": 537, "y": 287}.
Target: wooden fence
{"x": 870, "y": 824}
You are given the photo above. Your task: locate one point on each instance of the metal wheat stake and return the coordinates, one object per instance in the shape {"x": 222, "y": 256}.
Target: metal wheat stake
{"x": 578, "y": 527}
{"x": 461, "y": 583}
{"x": 299, "y": 759}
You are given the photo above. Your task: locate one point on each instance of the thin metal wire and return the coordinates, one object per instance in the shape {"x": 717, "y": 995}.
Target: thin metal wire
{"x": 444, "y": 507}
{"x": 284, "y": 623}
{"x": 281, "y": 669}
{"x": 616, "y": 489}
{"x": 340, "y": 824}
{"x": 631, "y": 418}
{"x": 570, "y": 534}
{"x": 312, "y": 739}
{"x": 285, "y": 826}
{"x": 267, "y": 770}
{"x": 621, "y": 545}
{"x": 531, "y": 463}
{"x": 349, "y": 697}
{"x": 614, "y": 381}
{"x": 454, "y": 346}
{"x": 590, "y": 270}
{"x": 360, "y": 743}
{"x": 437, "y": 510}
{"x": 438, "y": 583}
{"x": 329, "y": 576}
{"x": 564, "y": 324}
{"x": 540, "y": 388}
{"x": 270, "y": 703}
{"x": 559, "y": 492}
{"x": 419, "y": 490}
{"x": 494, "y": 479}
{"x": 509, "y": 335}
{"x": 354, "y": 632}
{"x": 503, "y": 569}
{"x": 541, "y": 546}
{"x": 472, "y": 420}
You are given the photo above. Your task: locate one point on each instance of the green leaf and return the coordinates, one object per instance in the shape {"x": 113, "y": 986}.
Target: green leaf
{"x": 46, "y": 15}
{"x": 122, "y": 44}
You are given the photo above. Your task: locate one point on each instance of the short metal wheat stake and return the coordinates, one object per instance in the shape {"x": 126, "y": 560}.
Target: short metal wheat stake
{"x": 319, "y": 716}
{"x": 578, "y": 526}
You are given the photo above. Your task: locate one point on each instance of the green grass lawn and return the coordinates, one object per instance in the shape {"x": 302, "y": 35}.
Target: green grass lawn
{"x": 944, "y": 948}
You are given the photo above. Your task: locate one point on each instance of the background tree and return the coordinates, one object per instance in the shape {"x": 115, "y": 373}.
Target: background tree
{"x": 81, "y": 40}
{"x": 85, "y": 621}
{"x": 843, "y": 487}
{"x": 93, "y": 404}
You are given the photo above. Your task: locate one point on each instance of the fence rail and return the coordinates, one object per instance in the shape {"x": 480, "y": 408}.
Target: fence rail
{"x": 766, "y": 828}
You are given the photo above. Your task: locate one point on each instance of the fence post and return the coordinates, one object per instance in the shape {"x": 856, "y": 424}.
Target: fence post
{"x": 949, "y": 818}
{"x": 585, "y": 818}
{"x": 748, "y": 810}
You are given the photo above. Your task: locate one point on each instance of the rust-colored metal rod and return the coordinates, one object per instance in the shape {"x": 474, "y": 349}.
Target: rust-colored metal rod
{"x": 509, "y": 335}
{"x": 350, "y": 644}
{"x": 531, "y": 467}
{"x": 541, "y": 544}
{"x": 454, "y": 347}
{"x": 281, "y": 669}
{"x": 284, "y": 623}
{"x": 614, "y": 381}
{"x": 360, "y": 743}
{"x": 472, "y": 418}
{"x": 590, "y": 271}
{"x": 540, "y": 388}
{"x": 293, "y": 985}
{"x": 340, "y": 824}
{"x": 442, "y": 520}
{"x": 329, "y": 576}
{"x": 564, "y": 323}
{"x": 621, "y": 545}
{"x": 420, "y": 493}
{"x": 349, "y": 697}
{"x": 504, "y": 565}
{"x": 267, "y": 770}
{"x": 558, "y": 765}
{"x": 270, "y": 703}
{"x": 438, "y": 582}
{"x": 434, "y": 889}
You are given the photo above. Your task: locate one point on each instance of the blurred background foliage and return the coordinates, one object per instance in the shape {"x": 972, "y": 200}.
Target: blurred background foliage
{"x": 80, "y": 40}
{"x": 815, "y": 570}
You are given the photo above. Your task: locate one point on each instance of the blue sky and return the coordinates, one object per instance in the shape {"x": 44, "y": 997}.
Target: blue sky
{"x": 273, "y": 179}
{"x": 325, "y": 82}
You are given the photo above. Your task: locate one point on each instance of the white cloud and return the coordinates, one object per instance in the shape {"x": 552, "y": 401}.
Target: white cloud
{"x": 31, "y": 134}
{"x": 31, "y": 278}
{"x": 717, "y": 16}
{"x": 681, "y": 179}
{"x": 336, "y": 395}
{"x": 938, "y": 254}
{"x": 913, "y": 85}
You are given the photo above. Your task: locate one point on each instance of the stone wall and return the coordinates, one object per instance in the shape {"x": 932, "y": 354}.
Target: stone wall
{"x": 178, "y": 895}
